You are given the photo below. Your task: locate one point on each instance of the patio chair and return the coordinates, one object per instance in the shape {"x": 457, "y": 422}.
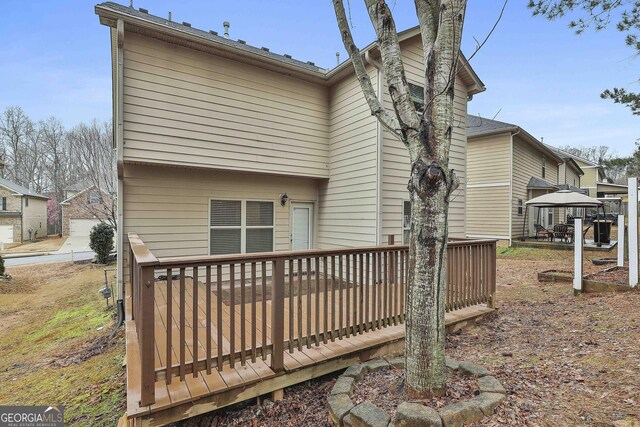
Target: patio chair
{"x": 561, "y": 231}
{"x": 584, "y": 233}
{"x": 542, "y": 232}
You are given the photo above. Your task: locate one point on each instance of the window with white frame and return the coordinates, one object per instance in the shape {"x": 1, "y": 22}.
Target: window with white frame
{"x": 520, "y": 207}
{"x": 241, "y": 226}
{"x": 406, "y": 221}
{"x": 544, "y": 167}
{"x": 93, "y": 197}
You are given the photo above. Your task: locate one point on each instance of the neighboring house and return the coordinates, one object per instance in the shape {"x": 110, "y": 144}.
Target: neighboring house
{"x": 23, "y": 213}
{"x": 84, "y": 206}
{"x": 569, "y": 178}
{"x": 594, "y": 181}
{"x": 506, "y": 166}
{"x": 228, "y": 148}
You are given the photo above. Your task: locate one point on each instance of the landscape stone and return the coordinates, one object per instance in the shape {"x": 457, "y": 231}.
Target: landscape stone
{"x": 377, "y": 365}
{"x": 416, "y": 415}
{"x": 490, "y": 384}
{"x": 339, "y": 406}
{"x": 343, "y": 385}
{"x": 396, "y": 362}
{"x": 452, "y": 364}
{"x": 356, "y": 372}
{"x": 462, "y": 413}
{"x": 488, "y": 402}
{"x": 472, "y": 370}
{"x": 369, "y": 415}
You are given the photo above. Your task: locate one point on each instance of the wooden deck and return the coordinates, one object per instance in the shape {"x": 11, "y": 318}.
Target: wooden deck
{"x": 240, "y": 382}
{"x": 206, "y": 332}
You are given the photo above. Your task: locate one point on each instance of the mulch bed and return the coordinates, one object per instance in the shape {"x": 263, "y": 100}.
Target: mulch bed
{"x": 386, "y": 390}
{"x": 618, "y": 276}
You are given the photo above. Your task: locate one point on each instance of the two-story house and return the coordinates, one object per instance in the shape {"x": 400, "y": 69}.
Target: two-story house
{"x": 223, "y": 147}
{"x": 506, "y": 166}
{"x": 23, "y": 213}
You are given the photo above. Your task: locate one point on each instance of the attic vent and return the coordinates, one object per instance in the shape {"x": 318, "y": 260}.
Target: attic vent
{"x": 311, "y": 63}
{"x": 143, "y": 10}
{"x": 286, "y": 55}
{"x": 242, "y": 41}
{"x": 186, "y": 24}
{"x": 215, "y": 33}
{"x": 266, "y": 49}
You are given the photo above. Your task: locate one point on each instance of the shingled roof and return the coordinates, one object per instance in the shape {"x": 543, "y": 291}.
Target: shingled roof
{"x": 19, "y": 189}
{"x": 477, "y": 126}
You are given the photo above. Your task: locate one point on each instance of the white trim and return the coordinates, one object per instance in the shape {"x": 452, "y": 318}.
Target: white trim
{"x": 511, "y": 190}
{"x": 491, "y": 184}
{"x": 379, "y": 167}
{"x": 243, "y": 222}
{"x": 578, "y": 257}
{"x": 620, "y": 241}
{"x": 402, "y": 220}
{"x": 632, "y": 192}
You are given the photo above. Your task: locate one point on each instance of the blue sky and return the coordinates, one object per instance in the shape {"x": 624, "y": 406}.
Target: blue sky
{"x": 538, "y": 74}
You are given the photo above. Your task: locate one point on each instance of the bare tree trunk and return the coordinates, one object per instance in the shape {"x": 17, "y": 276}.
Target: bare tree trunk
{"x": 427, "y": 136}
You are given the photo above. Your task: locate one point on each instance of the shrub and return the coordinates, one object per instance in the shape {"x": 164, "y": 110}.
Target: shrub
{"x": 101, "y": 241}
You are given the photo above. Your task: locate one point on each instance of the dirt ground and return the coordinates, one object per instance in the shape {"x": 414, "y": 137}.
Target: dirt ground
{"x": 564, "y": 360}
{"x": 50, "y": 244}
{"x": 53, "y": 343}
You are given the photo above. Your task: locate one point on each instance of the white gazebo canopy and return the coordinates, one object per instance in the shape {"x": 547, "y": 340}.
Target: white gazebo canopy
{"x": 564, "y": 199}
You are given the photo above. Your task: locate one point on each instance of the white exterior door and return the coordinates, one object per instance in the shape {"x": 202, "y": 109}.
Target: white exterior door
{"x": 6, "y": 233}
{"x": 301, "y": 226}
{"x": 81, "y": 227}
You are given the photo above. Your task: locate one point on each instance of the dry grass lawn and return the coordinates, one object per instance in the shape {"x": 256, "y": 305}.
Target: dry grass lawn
{"x": 50, "y": 244}
{"x": 53, "y": 343}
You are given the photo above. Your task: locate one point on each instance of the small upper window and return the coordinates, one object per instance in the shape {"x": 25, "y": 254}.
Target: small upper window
{"x": 93, "y": 197}
{"x": 4, "y": 203}
{"x": 520, "y": 206}
{"x": 26, "y": 202}
{"x": 544, "y": 168}
{"x": 417, "y": 96}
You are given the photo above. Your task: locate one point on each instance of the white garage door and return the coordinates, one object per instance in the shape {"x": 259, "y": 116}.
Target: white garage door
{"x": 81, "y": 227}
{"x": 6, "y": 233}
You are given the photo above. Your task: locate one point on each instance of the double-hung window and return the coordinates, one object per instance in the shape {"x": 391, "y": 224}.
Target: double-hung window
{"x": 417, "y": 96}
{"x": 406, "y": 221}
{"x": 241, "y": 226}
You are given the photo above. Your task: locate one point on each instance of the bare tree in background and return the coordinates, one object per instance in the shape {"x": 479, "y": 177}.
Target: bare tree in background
{"x": 21, "y": 148}
{"x": 597, "y": 154}
{"x": 93, "y": 146}
{"x": 427, "y": 137}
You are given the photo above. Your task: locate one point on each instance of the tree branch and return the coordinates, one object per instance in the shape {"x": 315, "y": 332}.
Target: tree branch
{"x": 377, "y": 109}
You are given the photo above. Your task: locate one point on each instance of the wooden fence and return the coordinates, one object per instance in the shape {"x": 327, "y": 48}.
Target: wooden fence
{"x": 224, "y": 310}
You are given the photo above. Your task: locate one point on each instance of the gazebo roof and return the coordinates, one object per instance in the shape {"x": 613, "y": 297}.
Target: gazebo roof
{"x": 565, "y": 198}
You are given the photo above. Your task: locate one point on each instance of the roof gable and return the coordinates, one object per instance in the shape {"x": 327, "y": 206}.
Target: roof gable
{"x": 20, "y": 190}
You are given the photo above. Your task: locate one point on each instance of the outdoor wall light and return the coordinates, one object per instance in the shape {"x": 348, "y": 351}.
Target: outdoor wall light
{"x": 283, "y": 199}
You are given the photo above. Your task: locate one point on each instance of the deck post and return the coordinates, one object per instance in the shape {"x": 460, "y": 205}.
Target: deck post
{"x": 146, "y": 333}
{"x": 277, "y": 316}
{"x": 492, "y": 274}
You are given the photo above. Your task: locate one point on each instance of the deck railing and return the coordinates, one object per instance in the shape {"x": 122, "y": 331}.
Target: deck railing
{"x": 217, "y": 311}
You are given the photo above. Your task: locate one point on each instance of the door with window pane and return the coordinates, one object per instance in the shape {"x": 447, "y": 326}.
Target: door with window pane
{"x": 301, "y": 226}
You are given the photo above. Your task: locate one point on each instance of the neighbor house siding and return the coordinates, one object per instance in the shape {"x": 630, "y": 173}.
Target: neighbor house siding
{"x": 527, "y": 162}
{"x": 395, "y": 158}
{"x": 34, "y": 217}
{"x": 589, "y": 180}
{"x": 190, "y": 108}
{"x": 489, "y": 186}
{"x": 347, "y": 215}
{"x": 169, "y": 207}
{"x": 13, "y": 213}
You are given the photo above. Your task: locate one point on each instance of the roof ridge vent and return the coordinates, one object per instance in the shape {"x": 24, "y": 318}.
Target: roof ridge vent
{"x": 311, "y": 63}
{"x": 266, "y": 49}
{"x": 215, "y": 33}
{"x": 286, "y": 55}
{"x": 186, "y": 24}
{"x": 143, "y": 10}
{"x": 242, "y": 41}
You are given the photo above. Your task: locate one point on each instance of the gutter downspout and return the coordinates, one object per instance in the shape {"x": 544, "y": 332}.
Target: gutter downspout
{"x": 379, "y": 143}
{"x": 119, "y": 134}
{"x": 525, "y": 207}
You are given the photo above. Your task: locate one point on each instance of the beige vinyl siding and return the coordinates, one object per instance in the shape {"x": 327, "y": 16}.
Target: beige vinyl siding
{"x": 488, "y": 186}
{"x": 189, "y": 108}
{"x": 169, "y": 207}
{"x": 34, "y": 217}
{"x": 347, "y": 215}
{"x": 527, "y": 162}
{"x": 396, "y": 165}
{"x": 589, "y": 180}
